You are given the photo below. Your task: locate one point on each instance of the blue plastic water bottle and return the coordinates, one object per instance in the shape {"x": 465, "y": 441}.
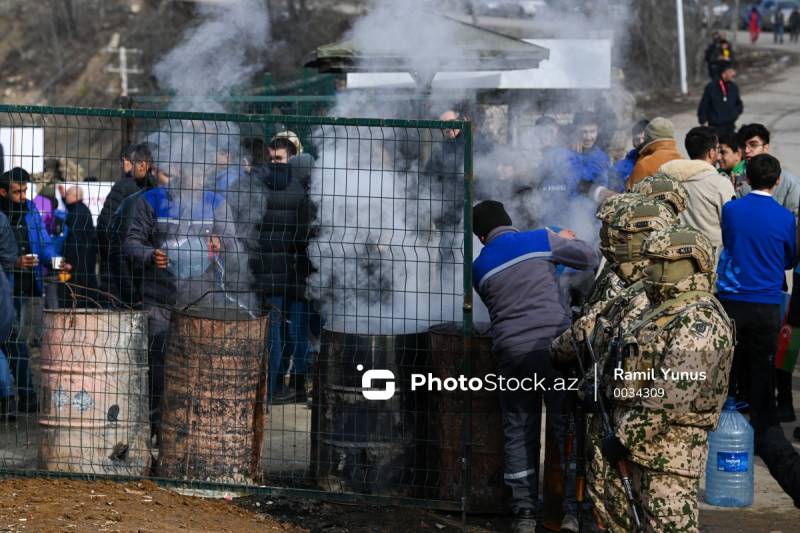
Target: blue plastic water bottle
{"x": 729, "y": 469}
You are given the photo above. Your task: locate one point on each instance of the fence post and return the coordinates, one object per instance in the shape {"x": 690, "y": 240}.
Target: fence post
{"x": 126, "y": 124}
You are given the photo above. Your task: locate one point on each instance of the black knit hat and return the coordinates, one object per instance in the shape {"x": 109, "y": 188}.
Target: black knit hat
{"x": 487, "y": 216}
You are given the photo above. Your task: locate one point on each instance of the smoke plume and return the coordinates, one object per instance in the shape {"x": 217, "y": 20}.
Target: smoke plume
{"x": 212, "y": 184}
{"x": 215, "y": 55}
{"x": 389, "y": 254}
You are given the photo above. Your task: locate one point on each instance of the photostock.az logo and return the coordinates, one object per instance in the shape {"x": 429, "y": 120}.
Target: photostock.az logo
{"x": 376, "y": 375}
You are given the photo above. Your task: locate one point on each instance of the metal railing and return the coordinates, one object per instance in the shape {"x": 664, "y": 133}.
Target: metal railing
{"x": 222, "y": 309}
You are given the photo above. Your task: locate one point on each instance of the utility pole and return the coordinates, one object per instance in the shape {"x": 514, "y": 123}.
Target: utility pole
{"x": 123, "y": 70}
{"x": 681, "y": 46}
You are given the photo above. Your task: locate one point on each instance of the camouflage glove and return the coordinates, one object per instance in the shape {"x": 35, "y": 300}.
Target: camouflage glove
{"x": 583, "y": 327}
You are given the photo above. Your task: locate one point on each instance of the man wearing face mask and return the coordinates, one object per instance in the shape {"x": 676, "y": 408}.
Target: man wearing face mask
{"x": 280, "y": 267}
{"x": 680, "y": 352}
{"x": 627, "y": 227}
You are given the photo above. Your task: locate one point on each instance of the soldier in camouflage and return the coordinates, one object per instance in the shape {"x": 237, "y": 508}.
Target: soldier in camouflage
{"x": 664, "y": 188}
{"x": 627, "y": 228}
{"x": 675, "y": 375}
{"x": 620, "y": 240}
{"x": 608, "y": 284}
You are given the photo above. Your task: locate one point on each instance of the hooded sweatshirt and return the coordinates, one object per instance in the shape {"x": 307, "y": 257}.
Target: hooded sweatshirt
{"x": 708, "y": 191}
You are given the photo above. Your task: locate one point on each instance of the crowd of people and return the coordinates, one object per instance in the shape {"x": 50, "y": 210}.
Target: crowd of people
{"x": 689, "y": 278}
{"x": 162, "y": 239}
{"x": 685, "y": 311}
{"x": 780, "y": 24}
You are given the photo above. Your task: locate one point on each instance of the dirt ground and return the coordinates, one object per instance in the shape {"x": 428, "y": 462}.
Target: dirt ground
{"x": 68, "y": 505}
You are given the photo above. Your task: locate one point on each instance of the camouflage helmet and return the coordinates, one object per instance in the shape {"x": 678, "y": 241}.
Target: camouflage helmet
{"x": 644, "y": 215}
{"x": 607, "y": 209}
{"x": 681, "y": 242}
{"x": 665, "y": 189}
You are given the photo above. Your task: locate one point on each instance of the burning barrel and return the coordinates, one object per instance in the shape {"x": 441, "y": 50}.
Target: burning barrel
{"x": 214, "y": 411}
{"x": 370, "y": 446}
{"x": 487, "y": 492}
{"x": 94, "y": 400}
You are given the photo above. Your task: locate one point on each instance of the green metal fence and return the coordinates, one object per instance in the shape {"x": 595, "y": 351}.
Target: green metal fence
{"x": 222, "y": 308}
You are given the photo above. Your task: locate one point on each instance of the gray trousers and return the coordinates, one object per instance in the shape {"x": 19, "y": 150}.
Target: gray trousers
{"x": 522, "y": 424}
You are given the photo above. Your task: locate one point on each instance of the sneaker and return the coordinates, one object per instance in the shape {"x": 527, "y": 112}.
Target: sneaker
{"x": 786, "y": 412}
{"x": 295, "y": 392}
{"x": 570, "y": 523}
{"x": 524, "y": 522}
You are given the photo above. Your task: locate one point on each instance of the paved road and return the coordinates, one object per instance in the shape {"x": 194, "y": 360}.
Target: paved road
{"x": 776, "y": 105}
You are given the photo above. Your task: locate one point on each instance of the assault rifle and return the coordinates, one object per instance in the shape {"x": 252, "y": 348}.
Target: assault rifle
{"x": 608, "y": 429}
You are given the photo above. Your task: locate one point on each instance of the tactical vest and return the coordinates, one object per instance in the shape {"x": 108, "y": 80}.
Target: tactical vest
{"x": 663, "y": 316}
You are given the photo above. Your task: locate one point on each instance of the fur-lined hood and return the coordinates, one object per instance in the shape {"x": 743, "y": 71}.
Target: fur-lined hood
{"x": 688, "y": 170}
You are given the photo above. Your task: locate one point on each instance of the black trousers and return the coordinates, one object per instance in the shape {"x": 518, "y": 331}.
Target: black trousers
{"x": 753, "y": 372}
{"x": 522, "y": 423}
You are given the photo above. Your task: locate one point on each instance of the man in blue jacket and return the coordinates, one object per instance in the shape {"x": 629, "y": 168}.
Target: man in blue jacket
{"x": 759, "y": 243}
{"x": 515, "y": 276}
{"x": 34, "y": 249}
{"x": 624, "y": 167}
{"x": 172, "y": 233}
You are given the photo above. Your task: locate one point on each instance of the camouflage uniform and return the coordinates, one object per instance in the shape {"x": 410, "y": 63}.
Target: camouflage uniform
{"x": 629, "y": 226}
{"x": 633, "y": 218}
{"x": 665, "y": 189}
{"x": 685, "y": 330}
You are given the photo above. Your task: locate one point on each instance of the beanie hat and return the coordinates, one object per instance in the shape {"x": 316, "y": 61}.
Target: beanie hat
{"x": 658, "y": 129}
{"x": 487, "y": 216}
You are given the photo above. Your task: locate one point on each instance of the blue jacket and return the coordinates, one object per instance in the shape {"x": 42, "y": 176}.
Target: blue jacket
{"x": 576, "y": 172}
{"x": 515, "y": 276}
{"x": 40, "y": 243}
{"x": 623, "y": 169}
{"x": 155, "y": 218}
{"x": 759, "y": 243}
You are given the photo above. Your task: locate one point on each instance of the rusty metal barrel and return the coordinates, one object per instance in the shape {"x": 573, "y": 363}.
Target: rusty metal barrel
{"x": 486, "y": 493}
{"x": 214, "y": 408}
{"x": 94, "y": 395}
{"x": 369, "y": 446}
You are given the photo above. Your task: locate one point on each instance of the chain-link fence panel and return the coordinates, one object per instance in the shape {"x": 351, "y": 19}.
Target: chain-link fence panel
{"x": 209, "y": 300}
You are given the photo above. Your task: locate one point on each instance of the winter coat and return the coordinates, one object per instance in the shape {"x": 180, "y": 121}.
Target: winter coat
{"x": 80, "y": 245}
{"x": 280, "y": 264}
{"x": 651, "y": 157}
{"x": 708, "y": 191}
{"x": 8, "y": 245}
{"x": 794, "y": 21}
{"x": 8, "y": 256}
{"x": 126, "y": 278}
{"x": 39, "y": 243}
{"x": 515, "y": 276}
{"x": 47, "y": 207}
{"x": 623, "y": 169}
{"x": 576, "y": 172}
{"x": 717, "y": 109}
{"x": 155, "y": 218}
{"x": 123, "y": 188}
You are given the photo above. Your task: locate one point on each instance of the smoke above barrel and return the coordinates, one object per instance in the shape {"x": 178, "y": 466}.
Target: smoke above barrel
{"x": 387, "y": 259}
{"x": 218, "y": 202}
